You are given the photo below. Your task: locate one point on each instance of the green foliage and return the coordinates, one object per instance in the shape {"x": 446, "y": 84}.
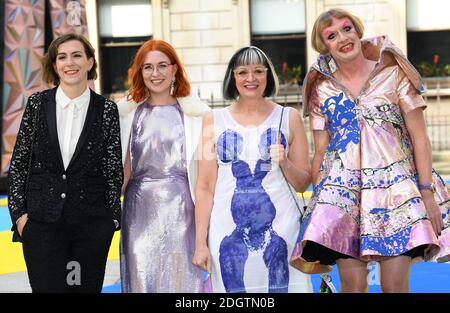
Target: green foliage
{"x": 293, "y": 75}
{"x": 433, "y": 69}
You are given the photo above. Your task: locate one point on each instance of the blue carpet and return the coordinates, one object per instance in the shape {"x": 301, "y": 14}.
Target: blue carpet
{"x": 426, "y": 277}
{"x": 112, "y": 289}
{"x": 5, "y": 219}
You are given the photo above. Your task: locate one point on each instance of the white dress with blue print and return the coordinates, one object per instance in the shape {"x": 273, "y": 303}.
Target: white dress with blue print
{"x": 254, "y": 221}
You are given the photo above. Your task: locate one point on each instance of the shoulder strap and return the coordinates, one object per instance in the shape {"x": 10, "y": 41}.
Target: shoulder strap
{"x": 281, "y": 119}
{"x": 294, "y": 197}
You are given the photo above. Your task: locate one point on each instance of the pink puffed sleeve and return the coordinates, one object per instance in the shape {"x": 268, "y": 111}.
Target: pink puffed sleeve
{"x": 316, "y": 117}
{"x": 408, "y": 97}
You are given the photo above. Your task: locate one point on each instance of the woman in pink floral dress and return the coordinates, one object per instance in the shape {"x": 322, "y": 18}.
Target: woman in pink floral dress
{"x": 376, "y": 197}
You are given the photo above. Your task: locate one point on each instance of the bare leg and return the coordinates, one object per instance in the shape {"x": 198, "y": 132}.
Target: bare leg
{"x": 353, "y": 275}
{"x": 394, "y": 274}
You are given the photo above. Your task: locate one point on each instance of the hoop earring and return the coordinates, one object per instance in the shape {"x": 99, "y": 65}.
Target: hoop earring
{"x": 172, "y": 84}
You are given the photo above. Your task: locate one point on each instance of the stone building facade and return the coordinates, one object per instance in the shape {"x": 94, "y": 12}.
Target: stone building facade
{"x": 207, "y": 32}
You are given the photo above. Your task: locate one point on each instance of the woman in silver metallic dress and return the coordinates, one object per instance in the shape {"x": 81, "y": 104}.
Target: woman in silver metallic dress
{"x": 160, "y": 128}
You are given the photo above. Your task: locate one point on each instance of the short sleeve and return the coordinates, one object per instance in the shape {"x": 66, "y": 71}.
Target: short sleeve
{"x": 316, "y": 118}
{"x": 408, "y": 96}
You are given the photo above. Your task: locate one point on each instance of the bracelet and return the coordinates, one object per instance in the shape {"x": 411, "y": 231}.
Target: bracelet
{"x": 431, "y": 187}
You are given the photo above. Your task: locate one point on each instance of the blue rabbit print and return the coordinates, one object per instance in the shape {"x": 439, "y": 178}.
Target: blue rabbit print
{"x": 253, "y": 213}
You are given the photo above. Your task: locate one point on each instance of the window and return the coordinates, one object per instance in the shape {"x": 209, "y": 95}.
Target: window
{"x": 123, "y": 26}
{"x": 278, "y": 28}
{"x": 428, "y": 35}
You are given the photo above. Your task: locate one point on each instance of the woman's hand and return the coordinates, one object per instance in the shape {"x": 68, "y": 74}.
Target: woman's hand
{"x": 202, "y": 258}
{"x": 278, "y": 154}
{"x": 433, "y": 212}
{"x": 20, "y": 223}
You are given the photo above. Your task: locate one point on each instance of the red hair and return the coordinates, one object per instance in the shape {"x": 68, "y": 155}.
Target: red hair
{"x": 137, "y": 91}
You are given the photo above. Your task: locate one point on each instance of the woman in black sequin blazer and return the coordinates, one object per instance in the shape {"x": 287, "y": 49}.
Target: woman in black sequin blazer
{"x": 66, "y": 174}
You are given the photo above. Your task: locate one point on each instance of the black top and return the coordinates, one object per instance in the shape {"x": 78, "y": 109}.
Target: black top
{"x": 91, "y": 184}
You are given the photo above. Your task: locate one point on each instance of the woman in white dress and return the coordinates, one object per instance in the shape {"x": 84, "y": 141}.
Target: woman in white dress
{"x": 254, "y": 158}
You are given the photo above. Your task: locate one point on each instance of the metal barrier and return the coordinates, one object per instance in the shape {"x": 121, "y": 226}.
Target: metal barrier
{"x": 437, "y": 115}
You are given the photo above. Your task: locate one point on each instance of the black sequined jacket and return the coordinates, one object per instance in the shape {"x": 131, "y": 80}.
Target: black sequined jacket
{"x": 91, "y": 184}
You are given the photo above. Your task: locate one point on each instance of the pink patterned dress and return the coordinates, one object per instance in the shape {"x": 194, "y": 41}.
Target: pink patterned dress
{"x": 367, "y": 204}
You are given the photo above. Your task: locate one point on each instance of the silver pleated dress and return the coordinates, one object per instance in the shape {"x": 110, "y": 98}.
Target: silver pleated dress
{"x": 158, "y": 232}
